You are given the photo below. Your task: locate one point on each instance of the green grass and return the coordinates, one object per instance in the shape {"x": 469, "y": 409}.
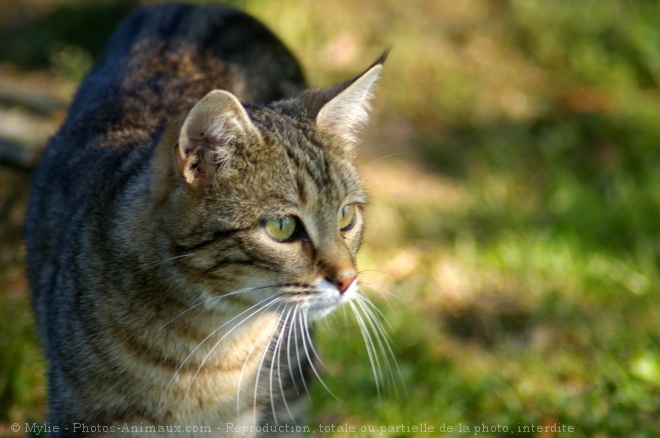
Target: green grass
{"x": 514, "y": 163}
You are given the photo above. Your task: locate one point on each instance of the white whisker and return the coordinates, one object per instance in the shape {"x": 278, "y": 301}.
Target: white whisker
{"x": 213, "y": 333}
{"x": 305, "y": 336}
{"x": 368, "y": 302}
{"x": 371, "y": 352}
{"x": 380, "y": 289}
{"x": 311, "y": 343}
{"x": 295, "y": 327}
{"x": 212, "y": 299}
{"x": 288, "y": 350}
{"x": 169, "y": 259}
{"x": 276, "y": 354}
{"x": 363, "y": 154}
{"x": 383, "y": 341}
{"x": 261, "y": 363}
{"x": 227, "y": 334}
{"x": 343, "y": 308}
{"x": 389, "y": 156}
{"x": 240, "y": 377}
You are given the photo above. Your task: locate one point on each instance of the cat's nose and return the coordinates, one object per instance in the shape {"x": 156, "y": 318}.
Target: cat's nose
{"x": 343, "y": 283}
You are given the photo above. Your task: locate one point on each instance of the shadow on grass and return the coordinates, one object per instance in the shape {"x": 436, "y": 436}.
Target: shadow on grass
{"x": 587, "y": 176}
{"x": 30, "y": 43}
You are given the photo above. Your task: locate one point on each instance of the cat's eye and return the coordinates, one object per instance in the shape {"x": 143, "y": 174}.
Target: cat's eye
{"x": 346, "y": 217}
{"x": 281, "y": 229}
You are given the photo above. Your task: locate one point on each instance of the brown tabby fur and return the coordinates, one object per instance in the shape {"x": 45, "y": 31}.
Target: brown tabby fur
{"x": 161, "y": 298}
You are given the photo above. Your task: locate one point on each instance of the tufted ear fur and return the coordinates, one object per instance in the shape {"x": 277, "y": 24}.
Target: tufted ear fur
{"x": 207, "y": 133}
{"x": 345, "y": 108}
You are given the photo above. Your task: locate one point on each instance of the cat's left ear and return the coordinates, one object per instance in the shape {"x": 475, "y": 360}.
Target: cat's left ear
{"x": 209, "y": 132}
{"x": 345, "y": 108}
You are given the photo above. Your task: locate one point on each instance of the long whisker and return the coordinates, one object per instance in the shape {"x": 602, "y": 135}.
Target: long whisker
{"x": 343, "y": 308}
{"x": 375, "y": 309}
{"x": 288, "y": 349}
{"x": 373, "y": 359}
{"x": 261, "y": 363}
{"x": 380, "y": 289}
{"x": 305, "y": 337}
{"x": 240, "y": 377}
{"x": 278, "y": 299}
{"x": 169, "y": 259}
{"x": 389, "y": 156}
{"x": 388, "y": 340}
{"x": 212, "y": 299}
{"x": 277, "y": 354}
{"x": 362, "y": 271}
{"x": 311, "y": 343}
{"x": 381, "y": 294}
{"x": 383, "y": 341}
{"x": 372, "y": 310}
{"x": 295, "y": 337}
{"x": 363, "y": 156}
{"x": 213, "y": 333}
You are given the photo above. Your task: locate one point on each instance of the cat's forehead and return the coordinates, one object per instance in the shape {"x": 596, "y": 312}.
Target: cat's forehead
{"x": 314, "y": 164}
{"x": 292, "y": 168}
{"x": 295, "y": 147}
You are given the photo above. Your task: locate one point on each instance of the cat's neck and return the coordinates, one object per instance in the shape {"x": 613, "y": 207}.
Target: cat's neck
{"x": 216, "y": 372}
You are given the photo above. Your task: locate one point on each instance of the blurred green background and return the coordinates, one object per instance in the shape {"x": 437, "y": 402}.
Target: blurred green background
{"x": 513, "y": 162}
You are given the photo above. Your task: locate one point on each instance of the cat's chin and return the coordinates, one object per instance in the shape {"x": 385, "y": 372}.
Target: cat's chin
{"x": 327, "y": 298}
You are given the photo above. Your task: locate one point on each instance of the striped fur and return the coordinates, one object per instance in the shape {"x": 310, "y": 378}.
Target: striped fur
{"x": 161, "y": 298}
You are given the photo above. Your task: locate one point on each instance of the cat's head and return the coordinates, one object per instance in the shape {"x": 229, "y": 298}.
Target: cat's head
{"x": 264, "y": 203}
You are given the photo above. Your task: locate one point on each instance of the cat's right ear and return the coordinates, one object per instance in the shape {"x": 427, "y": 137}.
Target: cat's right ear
{"x": 206, "y": 137}
{"x": 341, "y": 110}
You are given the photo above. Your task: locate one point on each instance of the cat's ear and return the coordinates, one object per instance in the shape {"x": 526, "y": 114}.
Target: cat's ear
{"x": 345, "y": 108}
{"x": 208, "y": 132}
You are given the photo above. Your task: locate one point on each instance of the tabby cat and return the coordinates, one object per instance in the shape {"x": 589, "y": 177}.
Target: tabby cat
{"x": 196, "y": 212}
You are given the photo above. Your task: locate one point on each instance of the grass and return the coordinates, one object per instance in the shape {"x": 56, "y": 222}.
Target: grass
{"x": 513, "y": 164}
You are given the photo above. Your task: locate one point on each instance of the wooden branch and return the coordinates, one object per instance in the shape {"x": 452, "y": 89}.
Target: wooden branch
{"x": 18, "y": 156}
{"x": 27, "y": 120}
{"x": 12, "y": 95}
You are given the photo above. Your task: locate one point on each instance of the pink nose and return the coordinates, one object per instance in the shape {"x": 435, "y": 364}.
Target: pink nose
{"x": 343, "y": 283}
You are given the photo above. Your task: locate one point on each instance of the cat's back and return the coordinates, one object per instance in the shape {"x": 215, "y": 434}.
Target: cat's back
{"x": 163, "y": 59}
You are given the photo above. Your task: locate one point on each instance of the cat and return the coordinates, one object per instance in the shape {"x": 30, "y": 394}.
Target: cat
{"x": 196, "y": 212}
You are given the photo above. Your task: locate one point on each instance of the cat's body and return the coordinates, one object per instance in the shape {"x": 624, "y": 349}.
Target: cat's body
{"x": 179, "y": 245}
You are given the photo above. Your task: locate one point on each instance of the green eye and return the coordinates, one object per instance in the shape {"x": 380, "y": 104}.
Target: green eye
{"x": 281, "y": 229}
{"x": 346, "y": 217}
